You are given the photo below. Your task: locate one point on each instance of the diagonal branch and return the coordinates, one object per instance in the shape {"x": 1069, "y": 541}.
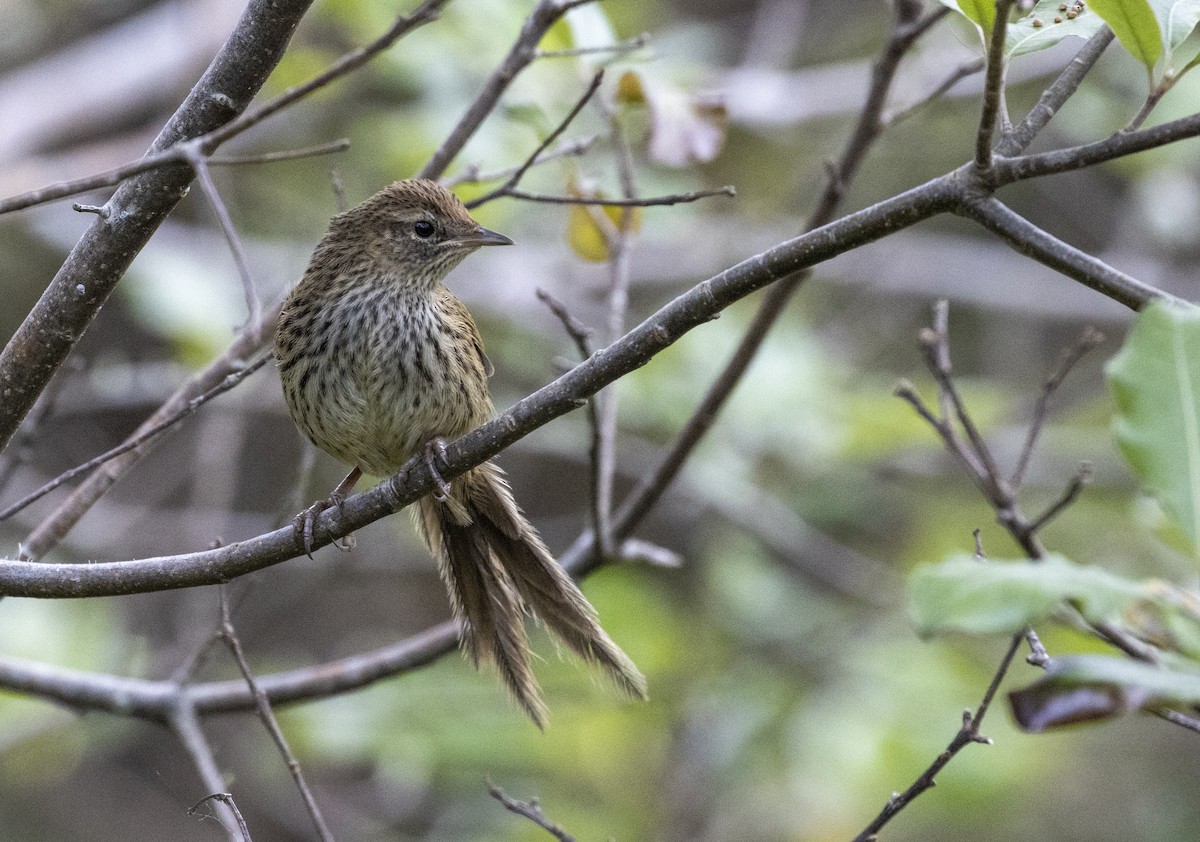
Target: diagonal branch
{"x": 1030, "y": 240}
{"x": 522, "y": 53}
{"x": 907, "y": 27}
{"x": 101, "y": 257}
{"x": 691, "y": 309}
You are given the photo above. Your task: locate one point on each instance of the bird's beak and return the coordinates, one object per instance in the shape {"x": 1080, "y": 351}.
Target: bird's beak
{"x": 481, "y": 237}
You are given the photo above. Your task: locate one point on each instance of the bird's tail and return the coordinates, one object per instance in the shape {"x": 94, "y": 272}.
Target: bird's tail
{"x": 497, "y": 569}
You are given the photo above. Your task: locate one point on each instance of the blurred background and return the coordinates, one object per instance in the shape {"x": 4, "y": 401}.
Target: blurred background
{"x": 790, "y": 695}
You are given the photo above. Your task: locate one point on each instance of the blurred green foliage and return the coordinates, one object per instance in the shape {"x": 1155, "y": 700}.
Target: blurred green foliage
{"x": 789, "y": 693}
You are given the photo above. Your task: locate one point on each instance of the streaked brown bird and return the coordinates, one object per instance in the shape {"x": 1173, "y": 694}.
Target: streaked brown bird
{"x": 380, "y": 362}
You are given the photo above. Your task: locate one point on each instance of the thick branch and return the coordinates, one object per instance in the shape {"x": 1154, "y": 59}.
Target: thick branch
{"x": 1030, "y": 240}
{"x": 135, "y": 211}
{"x": 1007, "y": 170}
{"x": 700, "y": 304}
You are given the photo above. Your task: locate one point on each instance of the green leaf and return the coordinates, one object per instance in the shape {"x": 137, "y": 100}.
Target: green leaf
{"x": 1135, "y": 25}
{"x": 981, "y": 12}
{"x": 967, "y": 594}
{"x": 1087, "y": 688}
{"x": 1039, "y": 29}
{"x": 1155, "y": 383}
{"x": 1176, "y": 20}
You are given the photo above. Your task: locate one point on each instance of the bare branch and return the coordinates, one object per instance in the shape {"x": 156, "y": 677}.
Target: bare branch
{"x": 993, "y": 91}
{"x": 473, "y": 174}
{"x": 1088, "y": 340}
{"x": 138, "y": 439}
{"x": 249, "y": 288}
{"x": 627, "y": 46}
{"x": 1030, "y": 240}
{"x": 333, "y": 146}
{"x": 520, "y": 55}
{"x": 672, "y": 199}
{"x": 967, "y": 734}
{"x": 529, "y": 810}
{"x": 182, "y": 718}
{"x": 225, "y": 800}
{"x": 1082, "y": 477}
{"x": 263, "y": 706}
{"x": 514, "y": 179}
{"x": 968, "y": 68}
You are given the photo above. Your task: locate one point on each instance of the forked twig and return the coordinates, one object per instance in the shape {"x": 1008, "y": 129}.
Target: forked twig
{"x": 530, "y": 810}
{"x": 967, "y": 734}
{"x": 226, "y": 799}
{"x": 515, "y": 178}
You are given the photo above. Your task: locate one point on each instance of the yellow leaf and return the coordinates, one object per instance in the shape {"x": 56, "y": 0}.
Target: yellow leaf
{"x": 630, "y": 88}
{"x": 588, "y": 236}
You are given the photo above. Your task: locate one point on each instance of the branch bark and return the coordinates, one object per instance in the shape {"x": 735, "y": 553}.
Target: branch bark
{"x": 138, "y": 207}
{"x": 696, "y": 306}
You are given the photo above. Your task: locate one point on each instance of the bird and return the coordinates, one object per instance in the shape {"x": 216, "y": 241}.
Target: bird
{"x": 380, "y": 362}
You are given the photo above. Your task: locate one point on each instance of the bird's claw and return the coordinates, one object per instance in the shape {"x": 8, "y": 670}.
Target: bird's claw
{"x": 305, "y": 522}
{"x": 437, "y": 448}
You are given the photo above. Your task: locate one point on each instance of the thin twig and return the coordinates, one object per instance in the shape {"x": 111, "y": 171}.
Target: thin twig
{"x": 620, "y": 48}
{"x": 969, "y": 68}
{"x": 522, "y": 53}
{"x": 670, "y": 199}
{"x": 530, "y": 810}
{"x": 942, "y": 427}
{"x": 1078, "y": 482}
{"x": 967, "y": 734}
{"x": 139, "y": 438}
{"x": 226, "y": 800}
{"x": 580, "y": 334}
{"x": 993, "y": 91}
{"x": 329, "y": 148}
{"x": 515, "y": 178}
{"x": 249, "y": 288}
{"x": 620, "y": 248}
{"x": 182, "y": 719}
{"x": 263, "y": 706}
{"x": 1088, "y": 340}
{"x": 946, "y": 386}
{"x": 567, "y": 149}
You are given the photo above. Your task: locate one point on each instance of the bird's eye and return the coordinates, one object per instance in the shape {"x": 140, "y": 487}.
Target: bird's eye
{"x": 423, "y": 228}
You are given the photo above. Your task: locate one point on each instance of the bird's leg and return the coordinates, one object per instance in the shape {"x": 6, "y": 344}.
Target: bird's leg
{"x": 436, "y": 448}
{"x": 303, "y": 522}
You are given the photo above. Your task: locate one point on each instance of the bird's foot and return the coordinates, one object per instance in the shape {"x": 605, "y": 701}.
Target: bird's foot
{"x": 437, "y": 449}
{"x": 304, "y": 522}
